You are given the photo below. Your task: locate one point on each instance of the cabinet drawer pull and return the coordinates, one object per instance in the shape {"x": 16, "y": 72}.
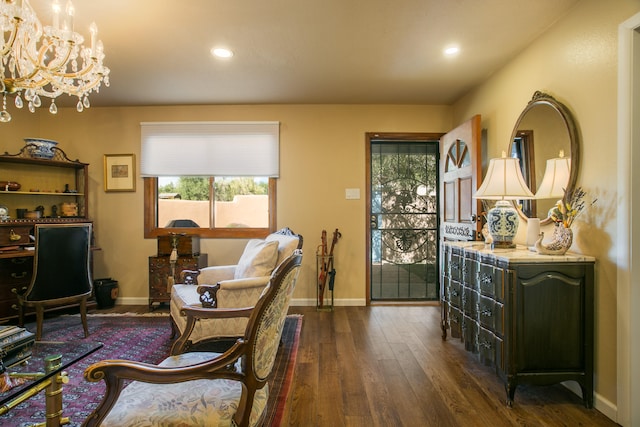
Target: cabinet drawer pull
{"x": 19, "y": 261}
{"x": 485, "y": 344}
{"x": 13, "y": 236}
{"x": 19, "y": 275}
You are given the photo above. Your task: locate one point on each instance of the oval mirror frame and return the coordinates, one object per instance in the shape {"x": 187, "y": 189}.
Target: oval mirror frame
{"x": 543, "y": 99}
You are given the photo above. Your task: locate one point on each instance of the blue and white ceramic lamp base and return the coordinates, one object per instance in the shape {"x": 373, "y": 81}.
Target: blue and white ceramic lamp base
{"x": 502, "y": 221}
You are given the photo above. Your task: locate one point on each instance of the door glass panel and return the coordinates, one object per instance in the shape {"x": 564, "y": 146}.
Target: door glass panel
{"x": 466, "y": 157}
{"x": 404, "y": 217}
{"x": 458, "y": 156}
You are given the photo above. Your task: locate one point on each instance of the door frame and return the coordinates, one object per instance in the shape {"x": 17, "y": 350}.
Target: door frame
{"x": 391, "y": 136}
{"x": 628, "y": 237}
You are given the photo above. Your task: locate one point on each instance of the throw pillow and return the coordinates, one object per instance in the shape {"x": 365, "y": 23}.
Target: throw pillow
{"x": 257, "y": 260}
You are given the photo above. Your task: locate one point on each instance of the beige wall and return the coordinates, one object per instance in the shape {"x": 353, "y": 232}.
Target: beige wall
{"x": 322, "y": 149}
{"x": 322, "y": 153}
{"x": 575, "y": 61}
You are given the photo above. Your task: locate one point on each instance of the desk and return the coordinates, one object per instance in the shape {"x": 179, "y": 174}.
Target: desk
{"x": 46, "y": 371}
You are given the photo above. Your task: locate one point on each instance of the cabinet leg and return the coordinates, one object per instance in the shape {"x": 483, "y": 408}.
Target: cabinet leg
{"x": 510, "y": 388}
{"x": 587, "y": 396}
{"x": 443, "y": 320}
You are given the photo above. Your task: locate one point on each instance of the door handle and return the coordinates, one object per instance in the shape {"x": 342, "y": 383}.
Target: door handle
{"x": 474, "y": 218}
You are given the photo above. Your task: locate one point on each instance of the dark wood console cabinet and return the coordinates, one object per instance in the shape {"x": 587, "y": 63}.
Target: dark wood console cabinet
{"x": 530, "y": 316}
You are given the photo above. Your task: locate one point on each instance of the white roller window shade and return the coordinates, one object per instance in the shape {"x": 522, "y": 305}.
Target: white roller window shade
{"x": 210, "y": 149}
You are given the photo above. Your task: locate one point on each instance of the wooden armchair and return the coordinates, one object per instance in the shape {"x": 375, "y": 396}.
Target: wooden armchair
{"x": 202, "y": 388}
{"x": 196, "y": 302}
{"x": 61, "y": 272}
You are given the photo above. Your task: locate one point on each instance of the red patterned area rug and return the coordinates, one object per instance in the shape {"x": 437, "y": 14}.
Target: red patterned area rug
{"x": 142, "y": 338}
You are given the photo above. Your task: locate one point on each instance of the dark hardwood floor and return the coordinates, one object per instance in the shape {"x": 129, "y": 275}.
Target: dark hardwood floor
{"x": 388, "y": 366}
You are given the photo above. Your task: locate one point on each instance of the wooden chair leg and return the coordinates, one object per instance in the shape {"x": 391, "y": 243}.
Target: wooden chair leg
{"x": 83, "y": 316}
{"x": 182, "y": 343}
{"x": 39, "y": 320}
{"x": 174, "y": 328}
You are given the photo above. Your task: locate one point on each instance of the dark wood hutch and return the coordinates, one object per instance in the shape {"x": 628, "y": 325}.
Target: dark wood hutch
{"x": 50, "y": 191}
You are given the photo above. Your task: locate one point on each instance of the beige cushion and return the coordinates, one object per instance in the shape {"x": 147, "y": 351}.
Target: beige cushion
{"x": 286, "y": 245}
{"x": 258, "y": 259}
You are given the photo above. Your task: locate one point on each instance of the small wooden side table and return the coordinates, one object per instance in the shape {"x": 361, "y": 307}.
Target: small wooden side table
{"x": 160, "y": 271}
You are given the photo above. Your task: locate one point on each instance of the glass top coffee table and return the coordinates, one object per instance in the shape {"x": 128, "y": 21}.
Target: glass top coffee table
{"x": 45, "y": 370}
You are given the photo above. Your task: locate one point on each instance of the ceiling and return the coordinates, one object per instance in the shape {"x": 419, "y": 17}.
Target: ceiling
{"x": 305, "y": 51}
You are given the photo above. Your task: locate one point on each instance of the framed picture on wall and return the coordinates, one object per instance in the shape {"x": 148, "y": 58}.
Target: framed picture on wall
{"x": 119, "y": 172}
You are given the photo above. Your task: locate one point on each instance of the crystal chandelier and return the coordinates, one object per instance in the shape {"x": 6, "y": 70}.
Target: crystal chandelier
{"x": 47, "y": 61}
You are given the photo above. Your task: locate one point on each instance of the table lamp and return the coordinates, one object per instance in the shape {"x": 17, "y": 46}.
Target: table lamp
{"x": 503, "y": 182}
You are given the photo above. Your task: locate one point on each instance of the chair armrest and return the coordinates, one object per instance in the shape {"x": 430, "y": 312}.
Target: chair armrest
{"x": 239, "y": 284}
{"x": 179, "y": 369}
{"x": 208, "y": 295}
{"x": 214, "y": 274}
{"x": 207, "y": 275}
{"x": 240, "y": 292}
{"x": 189, "y": 277}
{"x": 215, "y": 313}
{"x": 243, "y": 292}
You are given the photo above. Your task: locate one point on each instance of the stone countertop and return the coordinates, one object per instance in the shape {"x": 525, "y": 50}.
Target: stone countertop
{"x": 520, "y": 254}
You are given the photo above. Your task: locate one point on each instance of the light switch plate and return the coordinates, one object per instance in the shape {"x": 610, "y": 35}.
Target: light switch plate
{"x": 352, "y": 193}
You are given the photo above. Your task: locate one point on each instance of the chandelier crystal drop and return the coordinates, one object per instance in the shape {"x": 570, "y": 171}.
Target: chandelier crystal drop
{"x": 47, "y": 61}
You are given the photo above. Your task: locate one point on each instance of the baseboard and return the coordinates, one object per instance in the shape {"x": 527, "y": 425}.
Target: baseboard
{"x": 311, "y": 302}
{"x": 607, "y": 408}
{"x": 132, "y": 301}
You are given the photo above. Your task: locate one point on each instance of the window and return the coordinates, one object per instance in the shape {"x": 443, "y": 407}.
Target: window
{"x": 225, "y": 187}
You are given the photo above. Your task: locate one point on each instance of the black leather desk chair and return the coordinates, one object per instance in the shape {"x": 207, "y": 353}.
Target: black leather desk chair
{"x": 61, "y": 271}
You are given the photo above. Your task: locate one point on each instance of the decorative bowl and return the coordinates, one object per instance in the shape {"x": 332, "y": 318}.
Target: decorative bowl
{"x": 42, "y": 149}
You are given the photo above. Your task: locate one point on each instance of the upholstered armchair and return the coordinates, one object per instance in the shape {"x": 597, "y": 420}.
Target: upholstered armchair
{"x": 196, "y": 303}
{"x": 202, "y": 388}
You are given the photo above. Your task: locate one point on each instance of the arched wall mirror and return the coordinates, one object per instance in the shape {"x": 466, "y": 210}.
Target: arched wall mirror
{"x": 545, "y": 130}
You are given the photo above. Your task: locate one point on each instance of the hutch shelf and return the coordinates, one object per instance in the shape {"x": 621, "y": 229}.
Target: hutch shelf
{"x": 50, "y": 191}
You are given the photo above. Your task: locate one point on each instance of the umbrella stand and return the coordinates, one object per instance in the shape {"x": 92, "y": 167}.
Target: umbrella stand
{"x": 326, "y": 272}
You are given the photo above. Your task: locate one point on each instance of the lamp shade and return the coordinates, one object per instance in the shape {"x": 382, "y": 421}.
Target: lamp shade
{"x": 504, "y": 181}
{"x": 555, "y": 179}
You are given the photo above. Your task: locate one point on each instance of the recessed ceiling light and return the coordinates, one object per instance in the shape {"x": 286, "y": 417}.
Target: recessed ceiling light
{"x": 221, "y": 52}
{"x": 451, "y": 50}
